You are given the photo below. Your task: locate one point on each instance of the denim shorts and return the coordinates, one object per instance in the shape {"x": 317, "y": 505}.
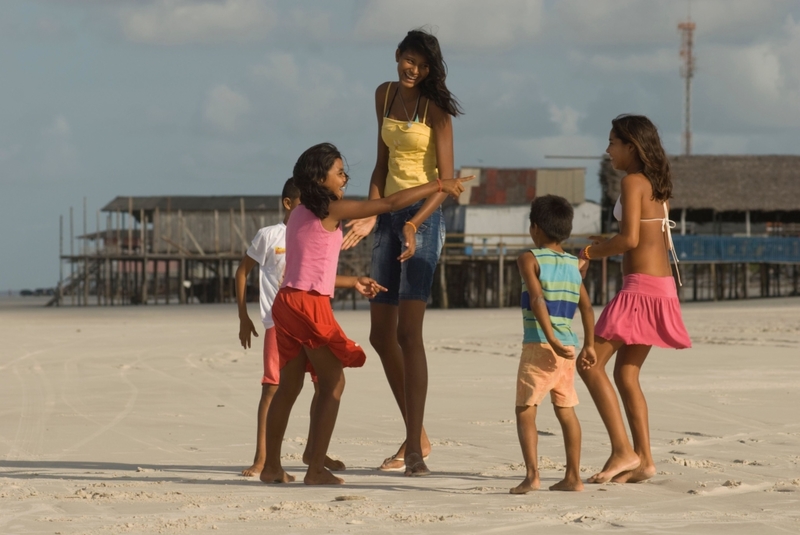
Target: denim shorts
{"x": 413, "y": 278}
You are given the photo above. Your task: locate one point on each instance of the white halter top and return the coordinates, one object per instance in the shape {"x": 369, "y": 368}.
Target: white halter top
{"x": 666, "y": 225}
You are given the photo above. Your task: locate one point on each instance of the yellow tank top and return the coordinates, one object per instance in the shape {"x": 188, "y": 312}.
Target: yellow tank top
{"x": 412, "y": 151}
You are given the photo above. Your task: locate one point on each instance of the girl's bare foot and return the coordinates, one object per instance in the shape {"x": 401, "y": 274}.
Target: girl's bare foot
{"x": 322, "y": 478}
{"x": 528, "y": 484}
{"x": 331, "y": 464}
{"x": 642, "y": 473}
{"x": 253, "y": 470}
{"x": 415, "y": 466}
{"x": 569, "y": 484}
{"x": 275, "y": 476}
{"x": 615, "y": 466}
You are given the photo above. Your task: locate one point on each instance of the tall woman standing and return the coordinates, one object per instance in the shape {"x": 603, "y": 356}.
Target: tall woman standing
{"x": 646, "y": 312}
{"x": 415, "y": 146}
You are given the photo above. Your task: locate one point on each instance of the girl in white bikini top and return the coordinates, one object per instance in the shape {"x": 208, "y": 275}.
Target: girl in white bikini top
{"x": 666, "y": 225}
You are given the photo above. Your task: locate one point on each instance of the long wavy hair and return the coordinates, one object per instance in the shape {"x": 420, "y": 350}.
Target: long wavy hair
{"x": 639, "y": 131}
{"x": 433, "y": 87}
{"x": 310, "y": 172}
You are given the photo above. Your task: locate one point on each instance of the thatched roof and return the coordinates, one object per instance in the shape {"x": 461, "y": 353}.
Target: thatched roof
{"x": 725, "y": 183}
{"x": 196, "y": 203}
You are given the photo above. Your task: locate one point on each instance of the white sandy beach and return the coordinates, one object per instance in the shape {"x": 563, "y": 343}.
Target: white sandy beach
{"x": 139, "y": 419}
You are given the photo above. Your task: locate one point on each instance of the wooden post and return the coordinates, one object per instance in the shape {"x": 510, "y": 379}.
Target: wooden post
{"x": 683, "y": 221}
{"x": 85, "y": 254}
{"x": 99, "y": 275}
{"x": 216, "y": 231}
{"x": 713, "y": 281}
{"x": 60, "y": 259}
{"x": 156, "y": 239}
{"x": 71, "y": 257}
{"x": 501, "y": 276}
{"x": 746, "y": 280}
{"x": 181, "y": 276}
{"x": 128, "y": 223}
{"x": 143, "y": 245}
{"x": 230, "y": 227}
{"x": 107, "y": 261}
{"x": 747, "y": 223}
{"x": 166, "y": 281}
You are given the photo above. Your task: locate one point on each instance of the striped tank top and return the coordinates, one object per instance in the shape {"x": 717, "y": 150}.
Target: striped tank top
{"x": 561, "y": 284}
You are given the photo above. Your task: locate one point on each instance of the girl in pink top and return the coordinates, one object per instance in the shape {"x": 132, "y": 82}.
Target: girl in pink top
{"x": 306, "y": 330}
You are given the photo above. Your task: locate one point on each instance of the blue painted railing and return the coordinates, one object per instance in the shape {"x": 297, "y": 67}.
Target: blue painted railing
{"x": 729, "y": 249}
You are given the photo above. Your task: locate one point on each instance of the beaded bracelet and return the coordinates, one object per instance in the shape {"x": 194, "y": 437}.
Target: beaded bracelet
{"x": 412, "y": 226}
{"x": 585, "y": 253}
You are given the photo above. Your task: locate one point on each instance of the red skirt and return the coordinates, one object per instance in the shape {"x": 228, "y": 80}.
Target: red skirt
{"x": 646, "y": 311}
{"x": 306, "y": 319}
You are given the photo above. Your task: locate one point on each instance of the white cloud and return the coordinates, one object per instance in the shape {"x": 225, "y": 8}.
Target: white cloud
{"x": 170, "y": 22}
{"x": 758, "y": 84}
{"x": 624, "y": 22}
{"x": 59, "y": 156}
{"x": 224, "y": 108}
{"x": 566, "y": 118}
{"x": 661, "y": 61}
{"x": 463, "y": 24}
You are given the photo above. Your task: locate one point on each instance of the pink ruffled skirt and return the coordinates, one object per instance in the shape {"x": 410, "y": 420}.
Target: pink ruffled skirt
{"x": 646, "y": 311}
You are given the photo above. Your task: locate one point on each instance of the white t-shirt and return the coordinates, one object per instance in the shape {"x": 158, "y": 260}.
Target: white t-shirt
{"x": 269, "y": 250}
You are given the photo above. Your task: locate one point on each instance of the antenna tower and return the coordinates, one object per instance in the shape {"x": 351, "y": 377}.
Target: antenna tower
{"x": 687, "y": 72}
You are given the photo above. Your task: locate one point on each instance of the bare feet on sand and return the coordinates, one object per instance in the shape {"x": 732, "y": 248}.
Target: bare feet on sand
{"x": 323, "y": 477}
{"x": 253, "y": 470}
{"x": 334, "y": 465}
{"x": 275, "y": 476}
{"x": 642, "y": 473}
{"x": 615, "y": 466}
{"x": 415, "y": 466}
{"x": 569, "y": 484}
{"x": 528, "y": 484}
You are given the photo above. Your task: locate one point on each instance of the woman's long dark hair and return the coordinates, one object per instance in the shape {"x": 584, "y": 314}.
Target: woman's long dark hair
{"x": 433, "y": 86}
{"x": 310, "y": 172}
{"x": 643, "y": 134}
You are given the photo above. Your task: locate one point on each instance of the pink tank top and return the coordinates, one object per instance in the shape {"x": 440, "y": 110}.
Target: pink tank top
{"x": 312, "y": 253}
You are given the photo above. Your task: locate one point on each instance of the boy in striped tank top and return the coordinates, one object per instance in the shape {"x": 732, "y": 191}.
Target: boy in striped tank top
{"x": 552, "y": 290}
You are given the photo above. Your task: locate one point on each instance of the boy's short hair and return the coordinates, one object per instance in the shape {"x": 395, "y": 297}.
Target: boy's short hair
{"x": 552, "y": 214}
{"x": 290, "y": 191}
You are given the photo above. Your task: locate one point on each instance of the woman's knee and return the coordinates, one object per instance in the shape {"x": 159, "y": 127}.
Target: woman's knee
{"x": 409, "y": 339}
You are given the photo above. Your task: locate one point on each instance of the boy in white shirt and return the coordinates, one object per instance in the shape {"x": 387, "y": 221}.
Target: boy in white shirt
{"x": 268, "y": 250}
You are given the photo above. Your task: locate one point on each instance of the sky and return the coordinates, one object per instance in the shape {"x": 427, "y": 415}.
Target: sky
{"x": 219, "y": 97}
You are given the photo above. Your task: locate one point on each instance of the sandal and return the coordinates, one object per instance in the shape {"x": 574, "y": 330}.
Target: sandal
{"x": 416, "y": 468}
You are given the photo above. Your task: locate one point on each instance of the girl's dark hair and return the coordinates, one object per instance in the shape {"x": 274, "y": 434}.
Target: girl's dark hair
{"x": 433, "y": 86}
{"x": 552, "y": 214}
{"x": 639, "y": 131}
{"x": 310, "y": 172}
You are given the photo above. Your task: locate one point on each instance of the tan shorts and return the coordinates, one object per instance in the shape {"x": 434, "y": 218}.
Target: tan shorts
{"x": 542, "y": 371}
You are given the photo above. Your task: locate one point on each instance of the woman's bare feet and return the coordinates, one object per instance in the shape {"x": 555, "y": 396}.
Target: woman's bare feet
{"x": 641, "y": 473}
{"x": 253, "y": 470}
{"x": 275, "y": 476}
{"x": 324, "y": 477}
{"x": 528, "y": 484}
{"x": 334, "y": 465}
{"x": 415, "y": 466}
{"x": 614, "y": 466}
{"x": 568, "y": 484}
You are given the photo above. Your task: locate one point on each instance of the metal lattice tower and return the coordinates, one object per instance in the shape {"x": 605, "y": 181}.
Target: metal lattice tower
{"x": 687, "y": 72}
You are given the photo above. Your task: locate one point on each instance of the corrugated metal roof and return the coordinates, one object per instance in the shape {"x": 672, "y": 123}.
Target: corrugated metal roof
{"x": 195, "y": 203}
{"x": 734, "y": 183}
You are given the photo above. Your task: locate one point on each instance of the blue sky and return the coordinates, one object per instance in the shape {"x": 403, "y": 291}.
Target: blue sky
{"x": 160, "y": 97}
